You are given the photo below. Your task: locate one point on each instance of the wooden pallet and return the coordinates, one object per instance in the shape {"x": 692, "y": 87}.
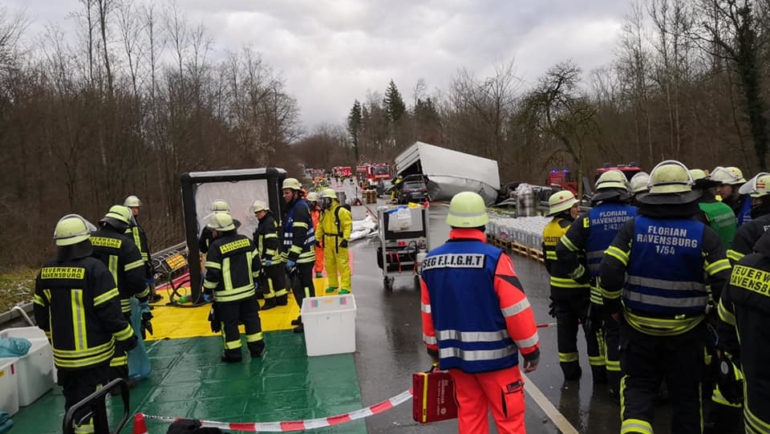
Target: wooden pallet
{"x": 519, "y": 248}
{"x": 536, "y": 254}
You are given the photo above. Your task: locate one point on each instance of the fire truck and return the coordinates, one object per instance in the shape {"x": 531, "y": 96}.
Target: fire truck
{"x": 342, "y": 171}
{"x": 566, "y": 180}
{"x": 378, "y": 172}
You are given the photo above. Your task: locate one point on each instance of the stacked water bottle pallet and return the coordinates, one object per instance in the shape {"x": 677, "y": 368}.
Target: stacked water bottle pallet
{"x": 523, "y": 235}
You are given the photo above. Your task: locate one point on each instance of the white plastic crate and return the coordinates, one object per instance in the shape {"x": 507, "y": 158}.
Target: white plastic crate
{"x": 35, "y": 370}
{"x": 9, "y": 386}
{"x": 330, "y": 324}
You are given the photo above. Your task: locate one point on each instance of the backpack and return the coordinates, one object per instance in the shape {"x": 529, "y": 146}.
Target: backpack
{"x": 337, "y": 216}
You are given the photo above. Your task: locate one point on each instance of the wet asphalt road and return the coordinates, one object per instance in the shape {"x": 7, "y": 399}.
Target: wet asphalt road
{"x": 390, "y": 348}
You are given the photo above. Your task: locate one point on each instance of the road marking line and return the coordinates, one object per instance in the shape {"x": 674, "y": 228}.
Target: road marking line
{"x": 558, "y": 419}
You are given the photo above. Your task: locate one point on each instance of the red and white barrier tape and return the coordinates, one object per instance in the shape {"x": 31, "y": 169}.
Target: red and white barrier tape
{"x": 546, "y": 325}
{"x": 300, "y": 425}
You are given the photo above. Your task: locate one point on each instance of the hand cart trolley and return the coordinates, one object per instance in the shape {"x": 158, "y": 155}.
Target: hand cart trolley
{"x": 403, "y": 237}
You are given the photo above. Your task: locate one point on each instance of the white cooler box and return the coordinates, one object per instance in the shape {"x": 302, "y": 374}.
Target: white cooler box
{"x": 9, "y": 386}
{"x": 330, "y": 324}
{"x": 35, "y": 370}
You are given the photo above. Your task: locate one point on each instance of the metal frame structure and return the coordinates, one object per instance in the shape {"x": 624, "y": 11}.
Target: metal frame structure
{"x": 397, "y": 245}
{"x": 190, "y": 181}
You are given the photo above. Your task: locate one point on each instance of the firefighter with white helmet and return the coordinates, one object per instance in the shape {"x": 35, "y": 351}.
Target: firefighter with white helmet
{"x": 657, "y": 278}
{"x": 232, "y": 269}
{"x": 758, "y": 192}
{"x": 268, "y": 244}
{"x": 298, "y": 244}
{"x": 206, "y": 237}
{"x": 589, "y": 236}
{"x": 716, "y": 214}
{"x": 334, "y": 231}
{"x": 730, "y": 180}
{"x": 136, "y": 232}
{"x": 494, "y": 319}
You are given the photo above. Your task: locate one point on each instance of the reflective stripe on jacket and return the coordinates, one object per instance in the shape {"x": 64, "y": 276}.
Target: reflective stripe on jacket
{"x": 77, "y": 305}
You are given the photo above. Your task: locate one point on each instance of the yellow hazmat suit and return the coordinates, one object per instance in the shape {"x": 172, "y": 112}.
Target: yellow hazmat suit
{"x": 334, "y": 232}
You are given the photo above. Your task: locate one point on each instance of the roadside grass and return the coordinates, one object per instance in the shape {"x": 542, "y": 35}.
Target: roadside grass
{"x": 16, "y": 287}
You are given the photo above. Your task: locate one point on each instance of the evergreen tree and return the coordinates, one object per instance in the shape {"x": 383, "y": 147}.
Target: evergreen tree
{"x": 354, "y": 126}
{"x": 394, "y": 104}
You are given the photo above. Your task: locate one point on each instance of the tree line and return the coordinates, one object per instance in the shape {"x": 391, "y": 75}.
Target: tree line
{"x": 134, "y": 99}
{"x": 124, "y": 106}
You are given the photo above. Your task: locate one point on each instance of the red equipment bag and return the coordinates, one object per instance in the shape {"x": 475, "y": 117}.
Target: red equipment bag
{"x": 433, "y": 397}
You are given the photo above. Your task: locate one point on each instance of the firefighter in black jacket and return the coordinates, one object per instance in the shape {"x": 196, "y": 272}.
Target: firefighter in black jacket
{"x": 232, "y": 265}
{"x": 655, "y": 279}
{"x": 122, "y": 258}
{"x": 758, "y": 188}
{"x": 569, "y": 298}
{"x": 207, "y": 237}
{"x": 77, "y": 305}
{"x": 744, "y": 312}
{"x": 136, "y": 232}
{"x": 590, "y": 235}
{"x": 269, "y": 250}
{"x": 298, "y": 244}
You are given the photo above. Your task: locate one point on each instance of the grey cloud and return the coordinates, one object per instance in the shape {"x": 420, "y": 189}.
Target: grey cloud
{"x": 333, "y": 51}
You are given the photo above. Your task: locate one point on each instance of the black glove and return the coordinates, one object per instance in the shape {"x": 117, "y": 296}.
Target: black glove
{"x": 730, "y": 381}
{"x": 593, "y": 320}
{"x": 146, "y": 324}
{"x": 128, "y": 344}
{"x": 216, "y": 326}
{"x": 319, "y": 243}
{"x": 344, "y": 244}
{"x": 552, "y": 309}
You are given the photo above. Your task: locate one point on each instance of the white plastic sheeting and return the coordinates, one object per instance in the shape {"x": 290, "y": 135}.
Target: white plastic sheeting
{"x": 450, "y": 172}
{"x": 239, "y": 195}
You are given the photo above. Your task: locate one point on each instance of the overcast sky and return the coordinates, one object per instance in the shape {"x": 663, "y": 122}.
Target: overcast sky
{"x": 333, "y": 51}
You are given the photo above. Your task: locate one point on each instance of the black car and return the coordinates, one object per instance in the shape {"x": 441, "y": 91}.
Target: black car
{"x": 413, "y": 191}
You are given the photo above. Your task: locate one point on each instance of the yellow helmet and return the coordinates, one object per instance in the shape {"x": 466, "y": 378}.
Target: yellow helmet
{"x": 118, "y": 217}
{"x": 259, "y": 206}
{"x": 467, "y": 210}
{"x": 670, "y": 176}
{"x": 72, "y": 229}
{"x": 697, "y": 174}
{"x": 727, "y": 175}
{"x": 329, "y": 192}
{"x": 221, "y": 221}
{"x": 639, "y": 182}
{"x": 132, "y": 202}
{"x": 291, "y": 184}
{"x": 312, "y": 196}
{"x": 612, "y": 179}
{"x": 220, "y": 205}
{"x": 561, "y": 201}
{"x": 758, "y": 186}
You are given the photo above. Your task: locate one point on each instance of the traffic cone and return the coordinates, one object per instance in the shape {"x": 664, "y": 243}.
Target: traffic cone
{"x": 140, "y": 427}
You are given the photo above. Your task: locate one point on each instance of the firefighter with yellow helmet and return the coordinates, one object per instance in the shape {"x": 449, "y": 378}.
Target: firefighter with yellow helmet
{"x": 569, "y": 297}
{"x": 269, "y": 251}
{"x": 657, "y": 277}
{"x": 334, "y": 232}
{"x": 122, "y": 257}
{"x": 76, "y": 295}
{"x": 590, "y": 235}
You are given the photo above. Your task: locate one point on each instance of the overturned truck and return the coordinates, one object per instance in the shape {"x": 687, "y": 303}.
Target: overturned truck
{"x": 450, "y": 172}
